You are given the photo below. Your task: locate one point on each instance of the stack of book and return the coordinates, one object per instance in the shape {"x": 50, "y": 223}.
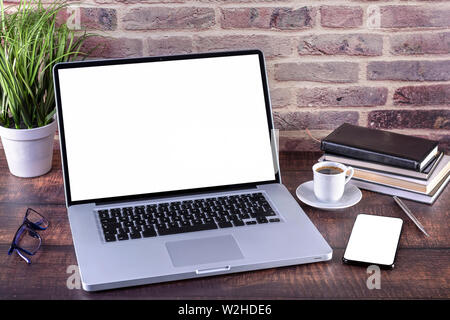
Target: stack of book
{"x": 390, "y": 163}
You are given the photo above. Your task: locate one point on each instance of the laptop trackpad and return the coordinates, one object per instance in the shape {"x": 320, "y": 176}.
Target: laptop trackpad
{"x": 203, "y": 250}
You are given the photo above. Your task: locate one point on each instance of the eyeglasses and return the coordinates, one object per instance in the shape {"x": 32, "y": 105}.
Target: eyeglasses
{"x": 27, "y": 241}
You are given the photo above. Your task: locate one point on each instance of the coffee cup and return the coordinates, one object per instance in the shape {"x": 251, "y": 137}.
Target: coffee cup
{"x": 330, "y": 180}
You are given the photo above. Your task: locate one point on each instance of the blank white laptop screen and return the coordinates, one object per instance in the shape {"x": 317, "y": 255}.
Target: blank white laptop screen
{"x": 161, "y": 126}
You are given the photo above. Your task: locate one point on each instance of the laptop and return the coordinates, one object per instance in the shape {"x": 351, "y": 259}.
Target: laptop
{"x": 171, "y": 170}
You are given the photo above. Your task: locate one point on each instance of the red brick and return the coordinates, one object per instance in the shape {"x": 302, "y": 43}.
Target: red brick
{"x": 341, "y": 44}
{"x": 159, "y": 46}
{"x": 341, "y": 16}
{"x": 299, "y": 140}
{"x": 61, "y": 17}
{"x": 287, "y": 18}
{"x": 107, "y": 47}
{"x": 423, "y": 95}
{"x": 246, "y": 18}
{"x": 272, "y": 46}
{"x": 7, "y": 3}
{"x": 299, "y": 120}
{"x": 342, "y": 97}
{"x": 317, "y": 71}
{"x": 150, "y": 18}
{"x": 98, "y": 18}
{"x": 414, "y": 16}
{"x": 413, "y": 119}
{"x": 266, "y": 18}
{"x": 409, "y": 70}
{"x": 444, "y": 140}
{"x": 141, "y": 1}
{"x": 280, "y": 97}
{"x": 420, "y": 43}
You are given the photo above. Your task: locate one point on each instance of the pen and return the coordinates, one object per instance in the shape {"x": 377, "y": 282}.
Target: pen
{"x": 410, "y": 215}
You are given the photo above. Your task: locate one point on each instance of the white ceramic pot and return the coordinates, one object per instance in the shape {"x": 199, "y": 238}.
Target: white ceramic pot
{"x": 29, "y": 152}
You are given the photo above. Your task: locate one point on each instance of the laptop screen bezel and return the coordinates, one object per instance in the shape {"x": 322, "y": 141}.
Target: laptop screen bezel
{"x": 149, "y": 196}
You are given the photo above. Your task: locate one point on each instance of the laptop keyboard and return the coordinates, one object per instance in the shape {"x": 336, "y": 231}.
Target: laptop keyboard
{"x": 185, "y": 216}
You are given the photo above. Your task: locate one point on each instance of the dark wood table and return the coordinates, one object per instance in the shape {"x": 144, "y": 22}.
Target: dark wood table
{"x": 422, "y": 266}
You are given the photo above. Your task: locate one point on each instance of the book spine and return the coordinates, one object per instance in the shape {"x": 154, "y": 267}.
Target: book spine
{"x": 375, "y": 167}
{"x": 392, "y": 191}
{"x": 366, "y": 155}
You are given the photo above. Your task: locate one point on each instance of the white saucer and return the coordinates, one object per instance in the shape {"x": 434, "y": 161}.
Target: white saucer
{"x": 305, "y": 192}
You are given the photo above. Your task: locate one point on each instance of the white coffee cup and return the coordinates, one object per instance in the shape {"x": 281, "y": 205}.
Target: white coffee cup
{"x": 329, "y": 187}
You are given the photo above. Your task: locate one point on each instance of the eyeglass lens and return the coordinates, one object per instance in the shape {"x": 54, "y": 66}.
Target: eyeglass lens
{"x": 27, "y": 239}
{"x": 37, "y": 219}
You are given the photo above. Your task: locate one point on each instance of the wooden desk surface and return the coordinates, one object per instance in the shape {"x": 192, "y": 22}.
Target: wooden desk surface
{"x": 422, "y": 265}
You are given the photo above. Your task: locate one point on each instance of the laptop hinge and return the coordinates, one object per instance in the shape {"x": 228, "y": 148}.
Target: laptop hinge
{"x": 184, "y": 194}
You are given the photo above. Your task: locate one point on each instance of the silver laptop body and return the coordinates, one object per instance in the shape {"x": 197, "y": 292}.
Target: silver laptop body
{"x": 139, "y": 133}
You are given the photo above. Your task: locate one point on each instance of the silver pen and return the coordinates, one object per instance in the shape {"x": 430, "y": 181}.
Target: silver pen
{"x": 410, "y": 215}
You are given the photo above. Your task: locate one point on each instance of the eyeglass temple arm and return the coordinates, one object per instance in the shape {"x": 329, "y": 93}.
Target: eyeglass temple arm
{"x": 28, "y": 261}
{"x": 12, "y": 249}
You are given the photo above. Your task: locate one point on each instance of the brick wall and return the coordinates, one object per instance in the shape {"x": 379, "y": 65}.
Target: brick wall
{"x": 380, "y": 64}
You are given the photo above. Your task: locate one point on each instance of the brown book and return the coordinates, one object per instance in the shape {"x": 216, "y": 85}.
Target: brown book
{"x": 416, "y": 185}
{"x": 425, "y": 174}
{"x": 405, "y": 194}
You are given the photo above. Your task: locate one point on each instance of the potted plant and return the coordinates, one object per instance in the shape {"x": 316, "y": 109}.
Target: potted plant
{"x": 32, "y": 41}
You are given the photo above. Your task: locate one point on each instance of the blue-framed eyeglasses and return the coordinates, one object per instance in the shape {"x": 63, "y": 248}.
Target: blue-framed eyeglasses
{"x": 27, "y": 241}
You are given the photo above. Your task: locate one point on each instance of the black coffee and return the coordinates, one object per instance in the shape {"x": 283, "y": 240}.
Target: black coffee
{"x": 329, "y": 170}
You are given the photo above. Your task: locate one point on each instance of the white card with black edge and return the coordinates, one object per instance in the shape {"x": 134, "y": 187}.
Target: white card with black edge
{"x": 374, "y": 240}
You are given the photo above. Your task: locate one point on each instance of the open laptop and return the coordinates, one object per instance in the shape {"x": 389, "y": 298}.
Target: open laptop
{"x": 171, "y": 172}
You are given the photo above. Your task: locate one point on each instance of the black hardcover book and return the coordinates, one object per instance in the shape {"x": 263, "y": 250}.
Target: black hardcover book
{"x": 380, "y": 146}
